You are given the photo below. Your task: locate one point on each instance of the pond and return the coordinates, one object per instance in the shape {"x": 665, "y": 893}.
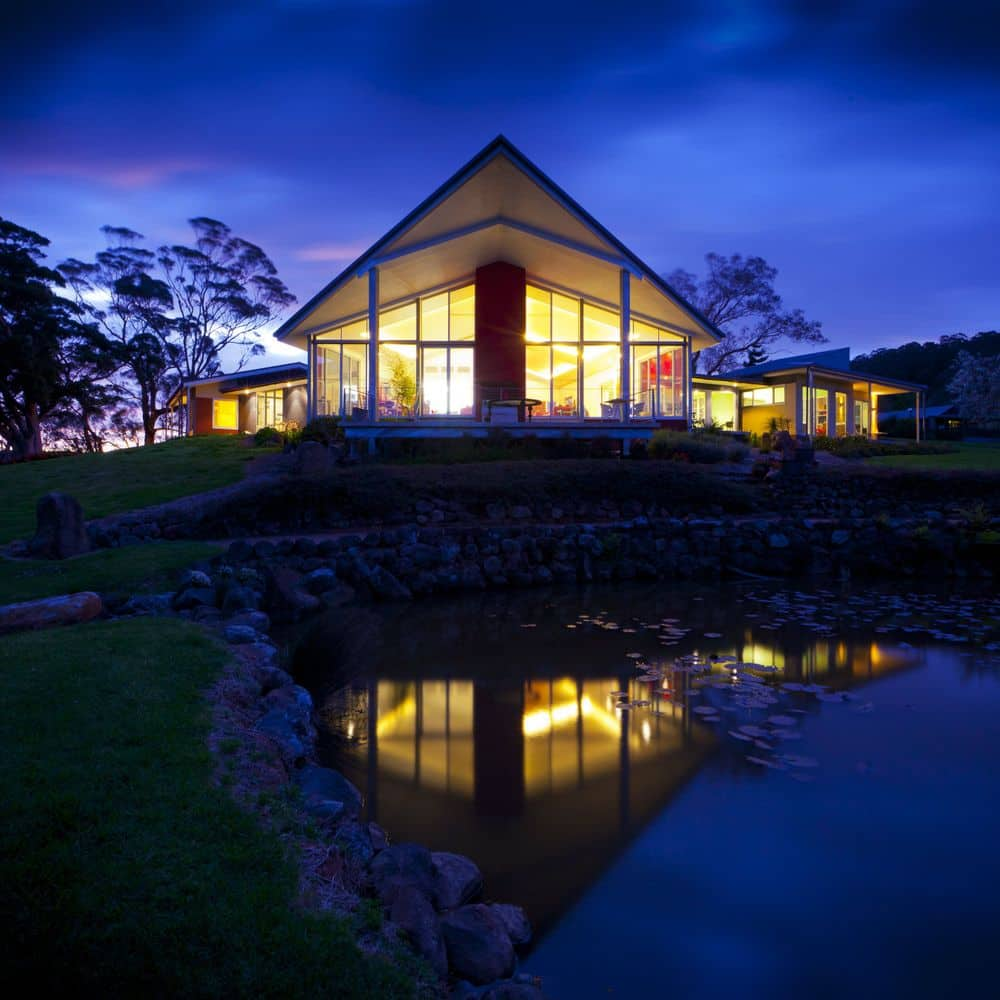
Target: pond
{"x": 698, "y": 791}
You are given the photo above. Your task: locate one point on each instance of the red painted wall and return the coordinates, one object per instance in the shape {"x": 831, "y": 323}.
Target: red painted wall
{"x": 500, "y": 289}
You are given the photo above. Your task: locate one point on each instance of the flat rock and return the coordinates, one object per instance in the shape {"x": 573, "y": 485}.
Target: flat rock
{"x": 457, "y": 880}
{"x": 479, "y": 949}
{"x": 69, "y": 609}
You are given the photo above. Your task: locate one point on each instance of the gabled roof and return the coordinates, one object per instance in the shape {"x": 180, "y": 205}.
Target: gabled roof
{"x": 290, "y": 371}
{"x": 475, "y": 214}
{"x": 838, "y": 359}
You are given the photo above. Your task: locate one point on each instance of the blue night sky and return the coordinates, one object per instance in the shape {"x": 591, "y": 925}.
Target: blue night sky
{"x": 856, "y": 146}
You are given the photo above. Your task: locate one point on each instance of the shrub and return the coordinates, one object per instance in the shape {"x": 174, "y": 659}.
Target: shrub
{"x": 858, "y": 446}
{"x": 325, "y": 430}
{"x": 702, "y": 448}
{"x": 267, "y": 436}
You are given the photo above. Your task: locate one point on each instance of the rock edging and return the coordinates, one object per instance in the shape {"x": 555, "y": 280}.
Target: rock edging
{"x": 264, "y": 740}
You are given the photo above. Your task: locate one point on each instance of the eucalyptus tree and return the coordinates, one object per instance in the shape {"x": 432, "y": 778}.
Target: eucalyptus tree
{"x": 738, "y": 296}
{"x": 123, "y": 298}
{"x": 224, "y": 290}
{"x": 49, "y": 358}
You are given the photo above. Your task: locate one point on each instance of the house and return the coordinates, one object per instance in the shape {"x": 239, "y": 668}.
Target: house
{"x": 499, "y": 301}
{"x": 243, "y": 402}
{"x": 941, "y": 422}
{"x": 816, "y": 394}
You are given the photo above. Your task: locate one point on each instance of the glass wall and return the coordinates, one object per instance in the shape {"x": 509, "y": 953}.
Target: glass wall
{"x": 448, "y": 321}
{"x": 271, "y": 408}
{"x": 552, "y": 352}
{"x": 840, "y": 417}
{"x": 816, "y": 411}
{"x": 602, "y": 363}
{"x": 861, "y": 417}
{"x": 573, "y": 357}
{"x": 340, "y": 381}
{"x": 657, "y": 372}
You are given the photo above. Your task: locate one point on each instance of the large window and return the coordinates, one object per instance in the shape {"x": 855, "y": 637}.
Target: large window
{"x": 271, "y": 408}
{"x": 397, "y": 362}
{"x": 774, "y": 396}
{"x": 447, "y": 332}
{"x": 657, "y": 371}
{"x": 225, "y": 414}
{"x": 552, "y": 352}
{"x": 341, "y": 376}
{"x": 816, "y": 411}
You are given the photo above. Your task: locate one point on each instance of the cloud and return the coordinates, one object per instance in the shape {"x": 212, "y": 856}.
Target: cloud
{"x": 122, "y": 174}
{"x": 331, "y": 252}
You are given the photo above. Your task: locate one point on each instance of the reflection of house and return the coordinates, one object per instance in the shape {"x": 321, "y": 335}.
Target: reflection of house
{"x": 815, "y": 394}
{"x": 243, "y": 402}
{"x": 497, "y": 300}
{"x": 547, "y": 765}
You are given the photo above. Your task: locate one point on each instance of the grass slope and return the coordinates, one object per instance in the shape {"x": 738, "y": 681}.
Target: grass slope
{"x": 119, "y": 481}
{"x": 123, "y": 870}
{"x": 983, "y": 456}
{"x": 135, "y": 569}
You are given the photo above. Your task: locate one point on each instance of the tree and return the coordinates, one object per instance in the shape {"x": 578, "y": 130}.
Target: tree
{"x": 224, "y": 291}
{"x": 119, "y": 293}
{"x": 975, "y": 387}
{"x": 48, "y": 357}
{"x": 737, "y": 295}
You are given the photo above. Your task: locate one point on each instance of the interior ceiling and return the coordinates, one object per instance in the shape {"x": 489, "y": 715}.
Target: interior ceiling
{"x": 500, "y": 188}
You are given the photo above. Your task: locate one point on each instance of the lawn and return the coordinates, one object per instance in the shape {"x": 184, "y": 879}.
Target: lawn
{"x": 973, "y": 456}
{"x": 135, "y": 569}
{"x": 118, "y": 481}
{"x": 123, "y": 869}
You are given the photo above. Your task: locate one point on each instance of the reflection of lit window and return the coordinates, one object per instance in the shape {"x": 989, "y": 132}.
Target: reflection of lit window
{"x": 225, "y": 415}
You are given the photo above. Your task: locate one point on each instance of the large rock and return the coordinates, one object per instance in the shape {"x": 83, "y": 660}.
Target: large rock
{"x": 514, "y": 920}
{"x": 479, "y": 949}
{"x": 458, "y": 880}
{"x": 386, "y": 587}
{"x": 68, "y": 609}
{"x": 415, "y": 915}
{"x": 403, "y": 865}
{"x": 325, "y": 783}
{"x": 60, "y": 530}
{"x": 313, "y": 459}
{"x": 285, "y": 593}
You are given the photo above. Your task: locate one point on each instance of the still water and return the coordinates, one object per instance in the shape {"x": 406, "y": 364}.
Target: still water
{"x": 699, "y": 792}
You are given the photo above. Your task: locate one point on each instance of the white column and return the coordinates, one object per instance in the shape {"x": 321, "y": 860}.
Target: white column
{"x": 625, "y": 320}
{"x": 810, "y": 404}
{"x": 311, "y": 380}
{"x": 916, "y": 414}
{"x": 870, "y": 411}
{"x": 372, "y": 343}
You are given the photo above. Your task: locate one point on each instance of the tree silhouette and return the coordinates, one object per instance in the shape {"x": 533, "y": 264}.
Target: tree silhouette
{"x": 49, "y": 359}
{"x": 737, "y": 295}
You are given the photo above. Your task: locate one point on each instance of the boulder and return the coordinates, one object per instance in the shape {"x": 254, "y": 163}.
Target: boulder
{"x": 254, "y": 619}
{"x": 313, "y": 459}
{"x": 386, "y": 587}
{"x": 319, "y": 581}
{"x": 60, "y": 531}
{"x": 355, "y": 842}
{"x": 274, "y": 725}
{"x": 514, "y": 920}
{"x": 325, "y": 783}
{"x": 479, "y": 949}
{"x": 193, "y": 597}
{"x": 412, "y": 911}
{"x": 457, "y": 880}
{"x": 285, "y": 594}
{"x": 69, "y": 609}
{"x": 403, "y": 865}
{"x": 240, "y": 634}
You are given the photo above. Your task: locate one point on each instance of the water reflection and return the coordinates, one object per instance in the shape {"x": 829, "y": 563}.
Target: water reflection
{"x": 520, "y": 735}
